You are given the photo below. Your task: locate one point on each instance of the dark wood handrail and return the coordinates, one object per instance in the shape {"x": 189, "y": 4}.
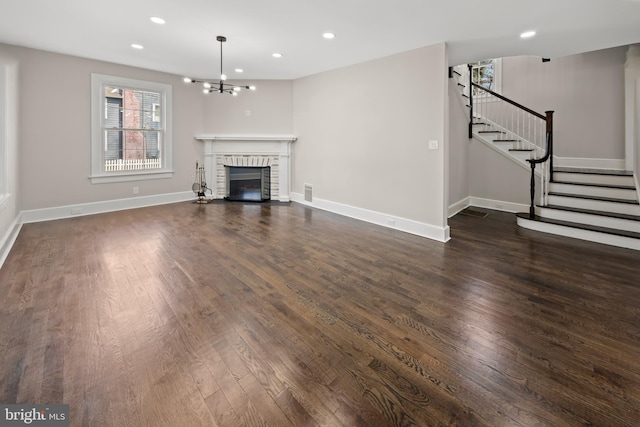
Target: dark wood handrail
{"x": 505, "y": 99}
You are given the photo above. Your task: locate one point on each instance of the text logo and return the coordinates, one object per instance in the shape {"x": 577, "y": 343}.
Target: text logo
{"x": 34, "y": 415}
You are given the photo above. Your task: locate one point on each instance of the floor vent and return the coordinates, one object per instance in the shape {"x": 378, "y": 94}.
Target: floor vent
{"x": 475, "y": 213}
{"x": 308, "y": 193}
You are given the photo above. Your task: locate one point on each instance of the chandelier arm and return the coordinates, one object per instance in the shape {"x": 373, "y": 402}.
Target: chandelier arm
{"x": 219, "y": 86}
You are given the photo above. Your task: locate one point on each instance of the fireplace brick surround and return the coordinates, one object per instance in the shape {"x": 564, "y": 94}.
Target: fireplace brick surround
{"x": 248, "y": 150}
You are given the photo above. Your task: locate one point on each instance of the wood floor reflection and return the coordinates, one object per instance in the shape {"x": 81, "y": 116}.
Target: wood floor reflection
{"x": 234, "y": 314}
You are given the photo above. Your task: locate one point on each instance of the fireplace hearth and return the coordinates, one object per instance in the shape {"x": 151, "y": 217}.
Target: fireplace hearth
{"x": 248, "y": 183}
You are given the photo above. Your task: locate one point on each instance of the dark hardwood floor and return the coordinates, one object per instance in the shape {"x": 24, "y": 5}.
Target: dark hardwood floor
{"x": 281, "y": 315}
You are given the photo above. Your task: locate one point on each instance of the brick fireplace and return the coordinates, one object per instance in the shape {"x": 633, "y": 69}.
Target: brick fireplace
{"x": 272, "y": 151}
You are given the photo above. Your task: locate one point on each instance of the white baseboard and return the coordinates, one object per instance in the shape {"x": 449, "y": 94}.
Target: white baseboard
{"x": 577, "y": 162}
{"x": 497, "y": 205}
{"x": 60, "y": 212}
{"x": 9, "y": 239}
{"x": 459, "y": 206}
{"x": 422, "y": 229}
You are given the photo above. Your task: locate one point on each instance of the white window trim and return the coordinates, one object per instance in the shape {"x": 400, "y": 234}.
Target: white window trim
{"x": 497, "y": 69}
{"x": 98, "y": 175}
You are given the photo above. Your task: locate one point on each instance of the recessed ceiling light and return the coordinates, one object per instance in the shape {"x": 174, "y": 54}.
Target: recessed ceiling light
{"x": 137, "y": 46}
{"x": 157, "y": 20}
{"x": 527, "y": 34}
{"x": 277, "y": 55}
{"x": 329, "y": 35}
{"x": 239, "y": 70}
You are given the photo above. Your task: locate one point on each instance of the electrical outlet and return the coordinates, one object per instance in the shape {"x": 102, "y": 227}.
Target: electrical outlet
{"x": 136, "y": 190}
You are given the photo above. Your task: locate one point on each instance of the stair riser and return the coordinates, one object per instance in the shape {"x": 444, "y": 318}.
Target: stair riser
{"x": 595, "y": 205}
{"x": 597, "y": 220}
{"x": 615, "y": 193}
{"x": 592, "y": 236}
{"x": 594, "y": 179}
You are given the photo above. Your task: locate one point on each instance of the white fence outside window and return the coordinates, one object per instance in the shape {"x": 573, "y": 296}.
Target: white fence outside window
{"x": 131, "y": 164}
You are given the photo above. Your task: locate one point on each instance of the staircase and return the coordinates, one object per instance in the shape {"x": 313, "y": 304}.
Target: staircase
{"x": 590, "y": 204}
{"x": 506, "y": 143}
{"x": 596, "y": 205}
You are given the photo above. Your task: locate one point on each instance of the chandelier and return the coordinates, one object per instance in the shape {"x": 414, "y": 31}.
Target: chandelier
{"x": 219, "y": 86}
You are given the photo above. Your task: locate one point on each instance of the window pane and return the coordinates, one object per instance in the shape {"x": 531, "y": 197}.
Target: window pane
{"x": 132, "y": 129}
{"x": 113, "y": 146}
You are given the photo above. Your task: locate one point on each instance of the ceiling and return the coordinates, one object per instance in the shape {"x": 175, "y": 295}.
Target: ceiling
{"x": 365, "y": 29}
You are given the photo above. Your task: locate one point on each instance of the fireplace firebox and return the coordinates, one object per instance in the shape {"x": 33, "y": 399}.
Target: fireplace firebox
{"x": 248, "y": 183}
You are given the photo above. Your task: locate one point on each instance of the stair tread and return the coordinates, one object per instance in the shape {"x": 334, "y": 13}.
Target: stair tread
{"x": 491, "y": 131}
{"x": 593, "y": 184}
{"x": 615, "y": 172}
{"x": 593, "y": 212}
{"x": 521, "y": 149}
{"x": 603, "y": 199}
{"x": 606, "y": 230}
{"x": 506, "y": 140}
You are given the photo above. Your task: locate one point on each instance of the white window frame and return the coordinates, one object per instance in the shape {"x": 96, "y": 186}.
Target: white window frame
{"x": 497, "y": 78}
{"x": 98, "y": 174}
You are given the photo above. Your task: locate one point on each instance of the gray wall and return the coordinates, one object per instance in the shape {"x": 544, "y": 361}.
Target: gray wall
{"x": 55, "y": 130}
{"x": 267, "y": 110}
{"x": 586, "y": 91}
{"x": 458, "y": 146}
{"x": 363, "y": 134}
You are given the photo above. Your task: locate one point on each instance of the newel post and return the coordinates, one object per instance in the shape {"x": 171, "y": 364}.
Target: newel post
{"x": 549, "y": 126}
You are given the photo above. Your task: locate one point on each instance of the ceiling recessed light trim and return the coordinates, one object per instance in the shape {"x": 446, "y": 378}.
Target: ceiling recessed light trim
{"x": 276, "y": 55}
{"x": 239, "y": 70}
{"x": 157, "y": 20}
{"x": 137, "y": 46}
{"x": 527, "y": 34}
{"x": 329, "y": 36}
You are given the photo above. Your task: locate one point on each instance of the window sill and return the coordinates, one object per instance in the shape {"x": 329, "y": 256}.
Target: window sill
{"x": 130, "y": 176}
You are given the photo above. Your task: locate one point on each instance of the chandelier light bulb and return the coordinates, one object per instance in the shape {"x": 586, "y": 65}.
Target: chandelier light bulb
{"x": 206, "y": 85}
{"x": 188, "y": 80}
{"x": 252, "y": 88}
{"x": 223, "y": 77}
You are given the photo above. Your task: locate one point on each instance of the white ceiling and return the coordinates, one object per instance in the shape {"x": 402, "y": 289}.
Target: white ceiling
{"x": 365, "y": 29}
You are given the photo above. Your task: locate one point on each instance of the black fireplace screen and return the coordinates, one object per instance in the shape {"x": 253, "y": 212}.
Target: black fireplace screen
{"x": 248, "y": 183}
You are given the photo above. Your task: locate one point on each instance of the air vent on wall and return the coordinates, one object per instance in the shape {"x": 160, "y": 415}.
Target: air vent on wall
{"x": 308, "y": 193}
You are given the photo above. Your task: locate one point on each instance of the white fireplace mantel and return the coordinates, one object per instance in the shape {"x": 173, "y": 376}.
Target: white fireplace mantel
{"x": 275, "y": 149}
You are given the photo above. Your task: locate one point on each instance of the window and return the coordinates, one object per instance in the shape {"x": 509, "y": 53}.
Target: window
{"x": 486, "y": 73}
{"x": 131, "y": 129}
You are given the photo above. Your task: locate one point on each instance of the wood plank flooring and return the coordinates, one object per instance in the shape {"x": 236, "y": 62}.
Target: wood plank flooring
{"x": 234, "y": 314}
